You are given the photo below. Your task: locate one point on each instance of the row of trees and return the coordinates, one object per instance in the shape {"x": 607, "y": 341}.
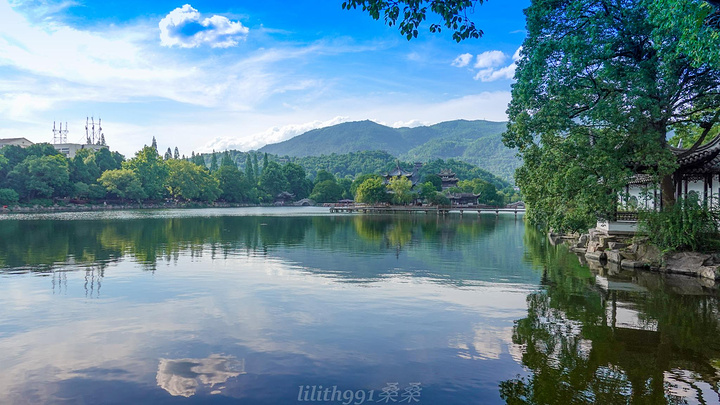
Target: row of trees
{"x": 40, "y": 174}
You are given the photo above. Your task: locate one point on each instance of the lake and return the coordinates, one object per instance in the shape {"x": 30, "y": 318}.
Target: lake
{"x": 294, "y": 305}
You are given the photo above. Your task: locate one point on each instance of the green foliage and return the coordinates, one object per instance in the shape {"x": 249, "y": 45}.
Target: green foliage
{"x": 123, "y": 183}
{"x": 687, "y": 17}
{"x": 8, "y": 196}
{"x": 249, "y": 171}
{"x": 233, "y": 183}
{"x": 583, "y": 64}
{"x": 151, "y": 170}
{"x": 433, "y": 179}
{"x": 297, "y": 180}
{"x": 367, "y": 147}
{"x": 439, "y": 199}
{"x": 427, "y": 191}
{"x": 359, "y": 180}
{"x": 453, "y": 15}
{"x": 400, "y": 187}
{"x": 687, "y": 225}
{"x": 372, "y": 191}
{"x": 272, "y": 179}
{"x": 46, "y": 176}
{"x": 346, "y": 184}
{"x": 488, "y": 192}
{"x": 323, "y": 175}
{"x": 327, "y": 191}
{"x": 188, "y": 181}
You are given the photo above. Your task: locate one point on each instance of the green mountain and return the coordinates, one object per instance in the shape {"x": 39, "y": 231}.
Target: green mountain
{"x": 476, "y": 142}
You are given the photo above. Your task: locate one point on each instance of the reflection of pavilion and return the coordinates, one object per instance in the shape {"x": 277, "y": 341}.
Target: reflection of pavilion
{"x": 183, "y": 377}
{"x": 639, "y": 345}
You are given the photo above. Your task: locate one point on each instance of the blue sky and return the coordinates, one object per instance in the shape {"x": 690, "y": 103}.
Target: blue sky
{"x": 239, "y": 74}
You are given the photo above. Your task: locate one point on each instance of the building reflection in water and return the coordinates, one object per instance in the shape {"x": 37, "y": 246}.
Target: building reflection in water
{"x": 184, "y": 377}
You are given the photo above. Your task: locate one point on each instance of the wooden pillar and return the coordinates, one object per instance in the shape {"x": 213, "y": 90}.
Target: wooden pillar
{"x": 705, "y": 190}
{"x": 710, "y": 178}
{"x": 685, "y": 188}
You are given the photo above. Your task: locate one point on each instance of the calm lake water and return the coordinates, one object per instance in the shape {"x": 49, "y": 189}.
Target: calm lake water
{"x": 280, "y": 306}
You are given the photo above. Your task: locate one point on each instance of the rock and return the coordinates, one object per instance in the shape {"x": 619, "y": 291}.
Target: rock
{"x": 649, "y": 254}
{"x": 595, "y": 255}
{"x": 613, "y": 256}
{"x": 617, "y": 245}
{"x": 632, "y": 264}
{"x": 628, "y": 255}
{"x": 605, "y": 239}
{"x": 691, "y": 264}
{"x": 594, "y": 246}
{"x": 584, "y": 240}
{"x": 578, "y": 250}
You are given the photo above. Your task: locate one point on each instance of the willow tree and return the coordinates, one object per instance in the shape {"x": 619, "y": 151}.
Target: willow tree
{"x": 599, "y": 87}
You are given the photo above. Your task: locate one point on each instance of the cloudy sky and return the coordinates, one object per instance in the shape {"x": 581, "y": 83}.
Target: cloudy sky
{"x": 239, "y": 74}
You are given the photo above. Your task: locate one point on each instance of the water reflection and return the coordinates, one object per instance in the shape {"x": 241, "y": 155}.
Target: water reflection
{"x": 183, "y": 377}
{"x": 603, "y": 335}
{"x": 357, "y": 248}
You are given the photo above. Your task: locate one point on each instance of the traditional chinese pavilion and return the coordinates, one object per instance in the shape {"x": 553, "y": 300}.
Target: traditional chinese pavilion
{"x": 413, "y": 176}
{"x": 449, "y": 179}
{"x": 464, "y": 199}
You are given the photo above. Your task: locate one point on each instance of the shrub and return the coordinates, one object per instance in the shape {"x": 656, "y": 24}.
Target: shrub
{"x": 8, "y": 196}
{"x": 687, "y": 225}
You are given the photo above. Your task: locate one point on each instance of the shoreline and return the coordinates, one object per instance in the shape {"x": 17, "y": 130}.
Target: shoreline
{"x": 119, "y": 207}
{"x": 626, "y": 252}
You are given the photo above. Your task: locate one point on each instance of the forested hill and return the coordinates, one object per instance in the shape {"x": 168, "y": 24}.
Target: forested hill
{"x": 476, "y": 142}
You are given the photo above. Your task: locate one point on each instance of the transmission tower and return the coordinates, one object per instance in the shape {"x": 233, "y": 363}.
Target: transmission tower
{"x": 93, "y": 136}
{"x": 60, "y": 135}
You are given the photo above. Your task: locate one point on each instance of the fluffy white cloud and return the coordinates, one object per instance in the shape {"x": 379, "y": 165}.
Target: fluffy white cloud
{"x": 185, "y": 27}
{"x": 516, "y": 55}
{"x": 490, "y": 59}
{"x": 490, "y": 65}
{"x": 270, "y": 135}
{"x": 462, "y": 60}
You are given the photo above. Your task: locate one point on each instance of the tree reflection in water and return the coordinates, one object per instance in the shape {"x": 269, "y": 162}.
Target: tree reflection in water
{"x": 609, "y": 336}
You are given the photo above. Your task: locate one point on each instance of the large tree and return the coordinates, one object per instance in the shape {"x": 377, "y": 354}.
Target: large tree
{"x": 599, "y": 86}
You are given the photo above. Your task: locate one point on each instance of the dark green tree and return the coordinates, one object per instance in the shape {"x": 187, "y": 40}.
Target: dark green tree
{"x": 272, "y": 179}
{"x": 213, "y": 162}
{"x": 233, "y": 183}
{"x": 327, "y": 191}
{"x": 151, "y": 170}
{"x": 435, "y": 180}
{"x": 176, "y": 154}
{"x": 250, "y": 171}
{"x": 297, "y": 180}
{"x": 598, "y": 88}
{"x": 168, "y": 154}
{"x": 323, "y": 175}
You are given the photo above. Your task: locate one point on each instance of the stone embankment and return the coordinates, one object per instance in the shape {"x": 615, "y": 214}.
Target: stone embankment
{"x": 113, "y": 207}
{"x": 638, "y": 253}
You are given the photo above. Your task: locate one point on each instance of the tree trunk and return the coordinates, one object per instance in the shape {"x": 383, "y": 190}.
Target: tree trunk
{"x": 667, "y": 190}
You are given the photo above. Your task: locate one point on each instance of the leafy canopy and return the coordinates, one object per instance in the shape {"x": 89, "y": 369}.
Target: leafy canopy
{"x": 411, "y": 14}
{"x": 599, "y": 86}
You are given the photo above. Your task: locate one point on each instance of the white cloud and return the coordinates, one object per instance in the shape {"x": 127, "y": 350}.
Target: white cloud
{"x": 489, "y": 65}
{"x": 186, "y": 28}
{"x": 270, "y": 135}
{"x": 516, "y": 55}
{"x": 490, "y": 59}
{"x": 462, "y": 60}
{"x": 490, "y": 75}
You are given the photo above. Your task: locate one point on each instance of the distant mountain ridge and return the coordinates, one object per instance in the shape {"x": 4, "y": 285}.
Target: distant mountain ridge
{"x": 476, "y": 142}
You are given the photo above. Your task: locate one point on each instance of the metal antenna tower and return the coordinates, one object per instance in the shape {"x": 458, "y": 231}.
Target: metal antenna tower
{"x": 60, "y": 135}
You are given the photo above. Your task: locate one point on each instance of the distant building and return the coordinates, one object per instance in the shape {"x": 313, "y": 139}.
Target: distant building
{"x": 21, "y": 142}
{"x": 71, "y": 149}
{"x": 449, "y": 179}
{"x": 413, "y": 176}
{"x": 464, "y": 199}
{"x": 284, "y": 198}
